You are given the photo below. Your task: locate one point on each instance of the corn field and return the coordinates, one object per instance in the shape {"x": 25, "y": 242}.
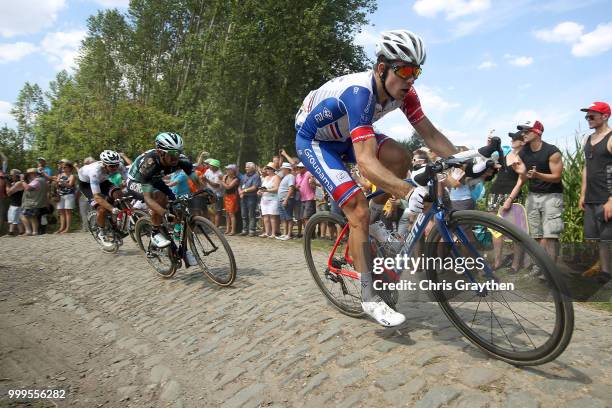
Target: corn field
{"x": 573, "y": 163}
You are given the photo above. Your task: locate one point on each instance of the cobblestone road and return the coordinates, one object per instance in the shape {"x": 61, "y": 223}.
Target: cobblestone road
{"x": 271, "y": 340}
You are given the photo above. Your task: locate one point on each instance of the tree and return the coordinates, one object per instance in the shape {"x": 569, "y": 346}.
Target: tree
{"x": 30, "y": 103}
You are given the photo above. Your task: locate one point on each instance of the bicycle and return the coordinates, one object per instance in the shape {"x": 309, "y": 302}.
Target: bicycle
{"x": 211, "y": 250}
{"x": 116, "y": 228}
{"x": 457, "y": 234}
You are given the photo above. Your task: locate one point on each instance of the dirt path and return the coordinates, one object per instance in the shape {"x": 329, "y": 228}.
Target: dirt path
{"x": 110, "y": 333}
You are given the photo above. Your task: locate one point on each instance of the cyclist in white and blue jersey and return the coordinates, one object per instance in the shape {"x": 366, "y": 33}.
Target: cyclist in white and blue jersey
{"x": 334, "y": 125}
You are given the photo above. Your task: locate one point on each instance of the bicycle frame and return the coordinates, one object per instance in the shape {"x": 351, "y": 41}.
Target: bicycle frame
{"x": 439, "y": 212}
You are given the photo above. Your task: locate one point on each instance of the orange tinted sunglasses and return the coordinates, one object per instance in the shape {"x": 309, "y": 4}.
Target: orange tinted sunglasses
{"x": 406, "y": 71}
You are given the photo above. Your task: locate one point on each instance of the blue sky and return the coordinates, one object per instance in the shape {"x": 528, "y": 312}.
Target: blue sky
{"x": 490, "y": 65}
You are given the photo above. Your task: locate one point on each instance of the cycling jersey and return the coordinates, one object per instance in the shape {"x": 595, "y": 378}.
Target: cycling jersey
{"x": 335, "y": 116}
{"x": 95, "y": 174}
{"x": 346, "y": 107}
{"x": 148, "y": 171}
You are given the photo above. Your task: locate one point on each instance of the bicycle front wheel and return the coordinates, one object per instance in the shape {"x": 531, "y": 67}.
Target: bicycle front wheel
{"x": 136, "y": 215}
{"x": 212, "y": 251}
{"x": 161, "y": 259}
{"x": 529, "y": 321}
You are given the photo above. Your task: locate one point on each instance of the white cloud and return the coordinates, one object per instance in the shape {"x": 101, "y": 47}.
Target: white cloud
{"x": 594, "y": 43}
{"x": 61, "y": 48}
{"x": 487, "y": 65}
{"x": 433, "y": 101}
{"x": 5, "y": 114}
{"x": 566, "y": 32}
{"x": 451, "y": 8}
{"x": 367, "y": 37}
{"x": 27, "y": 16}
{"x": 519, "y": 61}
{"x": 114, "y": 3}
{"x": 590, "y": 44}
{"x": 15, "y": 51}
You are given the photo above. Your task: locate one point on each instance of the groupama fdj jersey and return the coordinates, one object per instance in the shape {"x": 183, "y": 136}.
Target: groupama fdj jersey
{"x": 334, "y": 116}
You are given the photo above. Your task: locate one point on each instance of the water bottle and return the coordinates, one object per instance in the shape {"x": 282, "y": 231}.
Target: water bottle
{"x": 178, "y": 228}
{"x": 389, "y": 242}
{"x": 379, "y": 232}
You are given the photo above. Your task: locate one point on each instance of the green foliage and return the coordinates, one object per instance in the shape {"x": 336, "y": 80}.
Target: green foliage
{"x": 573, "y": 163}
{"x": 228, "y": 75}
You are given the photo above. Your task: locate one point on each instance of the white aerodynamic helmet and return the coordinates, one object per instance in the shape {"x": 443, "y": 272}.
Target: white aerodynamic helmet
{"x": 169, "y": 141}
{"x": 401, "y": 45}
{"x": 110, "y": 158}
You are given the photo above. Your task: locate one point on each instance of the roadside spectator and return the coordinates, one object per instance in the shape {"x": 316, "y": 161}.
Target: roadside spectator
{"x": 178, "y": 183}
{"x": 286, "y": 192}
{"x": 269, "y": 201}
{"x": 213, "y": 179}
{"x": 505, "y": 190}
{"x": 15, "y": 193}
{"x": 276, "y": 162}
{"x": 84, "y": 205}
{"x": 306, "y": 184}
{"x": 249, "y": 184}
{"x": 34, "y": 200}
{"x": 230, "y": 183}
{"x": 197, "y": 204}
{"x": 42, "y": 166}
{"x": 4, "y": 202}
{"x": 541, "y": 165}
{"x": 66, "y": 182}
{"x": 596, "y": 191}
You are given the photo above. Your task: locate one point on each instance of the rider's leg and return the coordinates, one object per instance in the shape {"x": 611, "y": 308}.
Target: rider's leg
{"x": 161, "y": 199}
{"x": 356, "y": 211}
{"x": 395, "y": 158}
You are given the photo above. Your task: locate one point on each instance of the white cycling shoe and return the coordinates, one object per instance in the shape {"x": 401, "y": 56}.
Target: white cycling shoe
{"x": 191, "y": 260}
{"x": 103, "y": 239}
{"x": 159, "y": 240}
{"x": 382, "y": 313}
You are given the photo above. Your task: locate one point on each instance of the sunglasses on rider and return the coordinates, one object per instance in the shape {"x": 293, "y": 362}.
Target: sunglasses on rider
{"x": 590, "y": 117}
{"x": 406, "y": 71}
{"x": 173, "y": 153}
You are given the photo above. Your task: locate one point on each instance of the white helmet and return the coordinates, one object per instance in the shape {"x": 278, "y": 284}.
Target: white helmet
{"x": 169, "y": 141}
{"x": 401, "y": 45}
{"x": 110, "y": 158}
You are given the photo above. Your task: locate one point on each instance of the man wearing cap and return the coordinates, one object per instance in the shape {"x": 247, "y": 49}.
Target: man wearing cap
{"x": 596, "y": 190}
{"x": 42, "y": 167}
{"x": 541, "y": 166}
{"x": 249, "y": 184}
{"x": 213, "y": 179}
{"x": 34, "y": 200}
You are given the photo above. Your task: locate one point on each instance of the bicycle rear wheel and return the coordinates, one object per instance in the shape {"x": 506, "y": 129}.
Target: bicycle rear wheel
{"x": 109, "y": 247}
{"x": 320, "y": 236}
{"x": 528, "y": 324}
{"x": 161, "y": 259}
{"x": 212, "y": 251}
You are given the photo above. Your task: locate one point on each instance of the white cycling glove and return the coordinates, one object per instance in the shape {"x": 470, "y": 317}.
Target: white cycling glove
{"x": 116, "y": 211}
{"x": 416, "y": 199}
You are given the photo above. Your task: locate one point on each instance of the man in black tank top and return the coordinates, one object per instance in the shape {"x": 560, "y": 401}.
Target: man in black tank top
{"x": 596, "y": 192}
{"x": 541, "y": 166}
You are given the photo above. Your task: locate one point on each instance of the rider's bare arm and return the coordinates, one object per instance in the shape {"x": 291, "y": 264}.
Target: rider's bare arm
{"x": 434, "y": 139}
{"x": 372, "y": 169}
